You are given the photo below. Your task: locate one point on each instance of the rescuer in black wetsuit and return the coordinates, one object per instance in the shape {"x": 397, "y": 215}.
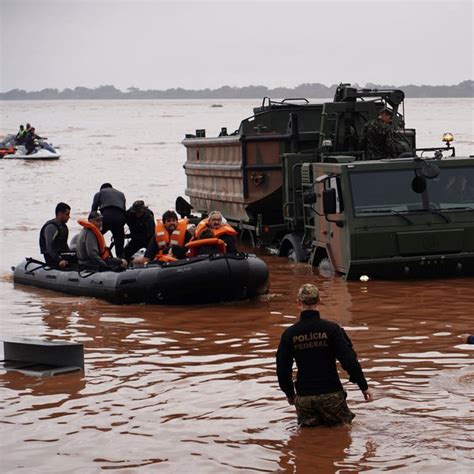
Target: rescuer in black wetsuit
{"x": 111, "y": 203}
{"x": 53, "y": 238}
{"x": 315, "y": 344}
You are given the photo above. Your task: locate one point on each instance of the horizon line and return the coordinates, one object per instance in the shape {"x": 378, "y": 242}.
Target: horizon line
{"x": 179, "y": 88}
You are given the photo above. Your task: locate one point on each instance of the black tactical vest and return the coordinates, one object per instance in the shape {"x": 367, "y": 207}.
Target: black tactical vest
{"x": 59, "y": 240}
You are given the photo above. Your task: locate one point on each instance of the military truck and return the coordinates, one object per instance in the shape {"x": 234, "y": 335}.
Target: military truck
{"x": 294, "y": 178}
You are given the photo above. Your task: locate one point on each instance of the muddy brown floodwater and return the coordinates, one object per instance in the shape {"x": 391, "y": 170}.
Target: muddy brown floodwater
{"x": 193, "y": 388}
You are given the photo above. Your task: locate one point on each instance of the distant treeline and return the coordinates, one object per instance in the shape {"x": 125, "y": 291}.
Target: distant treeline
{"x": 463, "y": 89}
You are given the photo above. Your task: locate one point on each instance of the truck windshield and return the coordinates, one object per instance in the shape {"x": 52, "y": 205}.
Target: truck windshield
{"x": 390, "y": 191}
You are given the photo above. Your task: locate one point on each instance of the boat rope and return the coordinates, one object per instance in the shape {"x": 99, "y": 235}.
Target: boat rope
{"x": 30, "y": 260}
{"x": 86, "y": 273}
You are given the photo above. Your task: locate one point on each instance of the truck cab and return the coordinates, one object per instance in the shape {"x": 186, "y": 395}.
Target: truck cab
{"x": 391, "y": 218}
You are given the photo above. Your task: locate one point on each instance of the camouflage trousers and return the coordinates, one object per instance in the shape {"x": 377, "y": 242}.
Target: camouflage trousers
{"x": 326, "y": 409}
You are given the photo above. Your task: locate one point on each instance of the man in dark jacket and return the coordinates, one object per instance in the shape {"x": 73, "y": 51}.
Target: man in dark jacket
{"x": 141, "y": 222}
{"x": 54, "y": 235}
{"x": 30, "y": 140}
{"x": 111, "y": 203}
{"x": 315, "y": 344}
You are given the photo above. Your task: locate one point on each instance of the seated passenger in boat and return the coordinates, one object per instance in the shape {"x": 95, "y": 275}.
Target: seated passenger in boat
{"x": 177, "y": 252}
{"x": 220, "y": 230}
{"x": 91, "y": 249}
{"x": 169, "y": 231}
{"x": 141, "y": 222}
{"x": 174, "y": 254}
{"x": 53, "y": 238}
{"x": 207, "y": 244}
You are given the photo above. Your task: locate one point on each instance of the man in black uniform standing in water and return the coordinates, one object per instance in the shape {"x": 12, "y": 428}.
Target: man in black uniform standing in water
{"x": 315, "y": 344}
{"x": 111, "y": 203}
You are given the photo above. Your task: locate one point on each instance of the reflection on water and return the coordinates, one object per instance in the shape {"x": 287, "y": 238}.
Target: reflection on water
{"x": 313, "y": 450}
{"x": 194, "y": 388}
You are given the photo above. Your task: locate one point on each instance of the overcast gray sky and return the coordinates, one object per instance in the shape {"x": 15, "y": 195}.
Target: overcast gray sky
{"x": 196, "y": 44}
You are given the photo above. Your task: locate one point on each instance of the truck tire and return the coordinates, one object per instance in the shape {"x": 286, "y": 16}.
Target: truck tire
{"x": 325, "y": 266}
{"x": 292, "y": 248}
{"x": 320, "y": 259}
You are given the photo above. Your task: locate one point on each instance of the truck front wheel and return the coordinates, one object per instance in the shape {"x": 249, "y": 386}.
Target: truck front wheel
{"x": 291, "y": 247}
{"x": 319, "y": 258}
{"x": 325, "y": 266}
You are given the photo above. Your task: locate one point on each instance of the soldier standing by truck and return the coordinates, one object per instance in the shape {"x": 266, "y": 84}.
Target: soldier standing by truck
{"x": 315, "y": 344}
{"x": 378, "y": 138}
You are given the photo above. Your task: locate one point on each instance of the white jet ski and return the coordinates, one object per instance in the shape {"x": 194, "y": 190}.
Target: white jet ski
{"x": 43, "y": 151}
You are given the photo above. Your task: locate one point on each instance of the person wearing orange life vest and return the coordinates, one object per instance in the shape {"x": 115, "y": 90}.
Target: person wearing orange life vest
{"x": 207, "y": 244}
{"x": 91, "y": 248}
{"x": 169, "y": 231}
{"x": 220, "y": 230}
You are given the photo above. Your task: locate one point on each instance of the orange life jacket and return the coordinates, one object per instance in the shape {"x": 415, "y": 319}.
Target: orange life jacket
{"x": 103, "y": 250}
{"x": 167, "y": 258}
{"x": 7, "y": 151}
{"x": 164, "y": 238}
{"x": 195, "y": 244}
{"x": 222, "y": 230}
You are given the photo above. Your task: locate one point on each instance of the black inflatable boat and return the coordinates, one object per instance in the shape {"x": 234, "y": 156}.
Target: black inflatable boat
{"x": 202, "y": 279}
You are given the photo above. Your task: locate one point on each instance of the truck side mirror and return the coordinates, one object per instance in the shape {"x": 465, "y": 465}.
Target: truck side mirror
{"x": 309, "y": 197}
{"x": 329, "y": 201}
{"x": 418, "y": 184}
{"x": 430, "y": 171}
